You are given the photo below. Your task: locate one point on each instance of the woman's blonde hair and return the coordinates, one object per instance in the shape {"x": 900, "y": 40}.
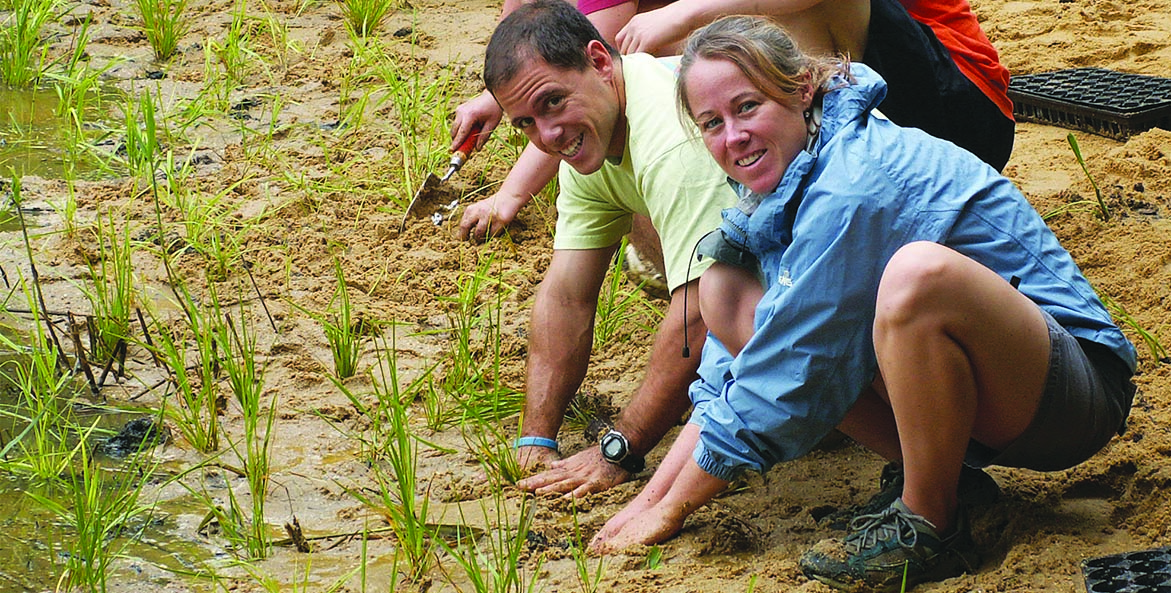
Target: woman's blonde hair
{"x": 763, "y": 51}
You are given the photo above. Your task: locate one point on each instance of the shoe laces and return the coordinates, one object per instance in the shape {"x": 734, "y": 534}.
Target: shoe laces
{"x": 892, "y": 524}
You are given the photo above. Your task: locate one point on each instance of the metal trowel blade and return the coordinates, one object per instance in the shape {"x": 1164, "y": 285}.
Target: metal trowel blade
{"x": 424, "y": 198}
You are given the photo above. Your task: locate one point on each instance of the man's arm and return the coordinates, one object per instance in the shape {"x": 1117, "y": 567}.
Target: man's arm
{"x": 658, "y": 404}
{"x": 561, "y": 336}
{"x": 816, "y": 25}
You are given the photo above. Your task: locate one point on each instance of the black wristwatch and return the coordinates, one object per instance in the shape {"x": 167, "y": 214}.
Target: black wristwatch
{"x": 616, "y": 450}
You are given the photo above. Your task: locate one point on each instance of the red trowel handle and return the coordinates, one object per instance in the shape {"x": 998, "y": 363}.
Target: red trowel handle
{"x": 465, "y": 148}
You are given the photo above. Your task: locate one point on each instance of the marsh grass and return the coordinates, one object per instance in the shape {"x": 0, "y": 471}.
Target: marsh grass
{"x": 112, "y": 294}
{"x": 384, "y": 407}
{"x": 492, "y": 562}
{"x": 236, "y": 52}
{"x": 101, "y": 505}
{"x": 1156, "y": 348}
{"x": 164, "y": 24}
{"x": 421, "y": 103}
{"x": 196, "y": 407}
{"x": 654, "y": 557}
{"x": 589, "y": 579}
{"x": 23, "y": 52}
{"x": 393, "y": 451}
{"x": 364, "y": 17}
{"x": 341, "y": 332}
{"x": 1103, "y": 211}
{"x": 45, "y": 449}
{"x": 141, "y": 141}
{"x": 619, "y": 305}
{"x": 246, "y": 376}
{"x": 471, "y": 370}
{"x": 81, "y": 100}
{"x": 492, "y": 447}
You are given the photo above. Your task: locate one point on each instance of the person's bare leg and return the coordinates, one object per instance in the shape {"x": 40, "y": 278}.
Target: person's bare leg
{"x": 963, "y": 355}
{"x": 645, "y": 239}
{"x": 728, "y": 296}
{"x": 609, "y": 21}
{"x": 871, "y": 423}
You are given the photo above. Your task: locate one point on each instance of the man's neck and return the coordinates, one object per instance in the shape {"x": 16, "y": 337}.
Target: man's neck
{"x": 617, "y": 146}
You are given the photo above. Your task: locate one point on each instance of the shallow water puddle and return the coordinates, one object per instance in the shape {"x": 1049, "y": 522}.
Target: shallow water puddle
{"x": 34, "y": 140}
{"x": 34, "y": 542}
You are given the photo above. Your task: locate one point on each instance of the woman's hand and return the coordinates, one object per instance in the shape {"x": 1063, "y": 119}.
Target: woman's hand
{"x": 651, "y": 32}
{"x": 636, "y": 525}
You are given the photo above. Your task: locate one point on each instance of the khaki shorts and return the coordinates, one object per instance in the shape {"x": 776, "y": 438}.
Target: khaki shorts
{"x": 1087, "y": 399}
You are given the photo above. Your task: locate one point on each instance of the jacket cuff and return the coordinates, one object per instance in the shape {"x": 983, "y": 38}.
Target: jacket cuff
{"x": 708, "y": 464}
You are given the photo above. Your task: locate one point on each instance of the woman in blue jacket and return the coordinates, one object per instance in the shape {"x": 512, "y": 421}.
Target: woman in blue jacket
{"x": 897, "y": 288}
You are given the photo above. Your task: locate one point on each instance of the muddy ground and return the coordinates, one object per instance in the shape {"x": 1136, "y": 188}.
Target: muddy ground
{"x": 292, "y": 225}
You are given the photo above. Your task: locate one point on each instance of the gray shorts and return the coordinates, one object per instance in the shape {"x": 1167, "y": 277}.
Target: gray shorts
{"x": 1087, "y": 399}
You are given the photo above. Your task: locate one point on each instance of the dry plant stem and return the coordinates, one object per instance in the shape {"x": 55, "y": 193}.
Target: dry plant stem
{"x": 75, "y": 333}
{"x": 259, "y": 295}
{"x": 150, "y": 347}
{"x": 62, "y": 360}
{"x": 119, "y": 354}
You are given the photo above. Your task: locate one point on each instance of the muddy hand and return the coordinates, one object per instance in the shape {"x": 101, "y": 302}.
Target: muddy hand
{"x": 582, "y": 474}
{"x": 530, "y": 459}
{"x": 488, "y": 217}
{"x": 634, "y": 526}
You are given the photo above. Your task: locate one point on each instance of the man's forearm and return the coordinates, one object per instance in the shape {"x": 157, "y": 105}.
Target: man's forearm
{"x": 530, "y": 174}
{"x": 559, "y": 353}
{"x": 561, "y": 337}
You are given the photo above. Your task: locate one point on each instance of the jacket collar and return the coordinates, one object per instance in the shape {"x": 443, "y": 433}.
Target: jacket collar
{"x": 847, "y": 100}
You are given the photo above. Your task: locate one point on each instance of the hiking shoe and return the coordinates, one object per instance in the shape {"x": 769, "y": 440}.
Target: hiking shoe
{"x": 890, "y": 550}
{"x": 976, "y": 488}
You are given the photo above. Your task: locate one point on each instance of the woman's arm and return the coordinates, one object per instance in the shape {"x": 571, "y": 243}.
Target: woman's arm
{"x": 676, "y": 490}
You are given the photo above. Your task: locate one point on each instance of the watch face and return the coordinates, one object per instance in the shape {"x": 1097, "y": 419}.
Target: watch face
{"x": 613, "y": 446}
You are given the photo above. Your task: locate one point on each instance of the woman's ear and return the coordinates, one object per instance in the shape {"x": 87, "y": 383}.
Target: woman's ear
{"x": 805, "y": 93}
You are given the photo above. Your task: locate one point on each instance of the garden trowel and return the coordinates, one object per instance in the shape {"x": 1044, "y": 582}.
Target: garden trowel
{"x": 431, "y": 200}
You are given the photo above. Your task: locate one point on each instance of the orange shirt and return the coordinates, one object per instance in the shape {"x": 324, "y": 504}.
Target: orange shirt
{"x": 957, "y": 29}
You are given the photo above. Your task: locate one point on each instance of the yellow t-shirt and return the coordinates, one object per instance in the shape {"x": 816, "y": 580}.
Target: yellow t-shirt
{"x": 665, "y": 173}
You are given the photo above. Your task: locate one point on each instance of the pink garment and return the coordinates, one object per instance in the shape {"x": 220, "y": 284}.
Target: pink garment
{"x": 588, "y": 6}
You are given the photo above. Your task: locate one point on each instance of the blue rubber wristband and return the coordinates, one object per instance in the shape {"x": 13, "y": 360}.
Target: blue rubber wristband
{"x": 535, "y": 442}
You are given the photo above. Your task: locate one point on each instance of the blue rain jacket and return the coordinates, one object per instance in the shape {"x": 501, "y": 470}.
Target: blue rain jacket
{"x": 823, "y": 237}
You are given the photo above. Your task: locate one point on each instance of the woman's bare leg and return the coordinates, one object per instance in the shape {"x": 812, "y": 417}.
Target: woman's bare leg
{"x": 962, "y": 355}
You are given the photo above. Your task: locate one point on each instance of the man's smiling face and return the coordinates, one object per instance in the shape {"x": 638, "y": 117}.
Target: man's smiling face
{"x": 567, "y": 113}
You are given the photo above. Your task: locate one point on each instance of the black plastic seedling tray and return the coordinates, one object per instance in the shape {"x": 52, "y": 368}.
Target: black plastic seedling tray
{"x": 1148, "y": 571}
{"x": 1096, "y": 100}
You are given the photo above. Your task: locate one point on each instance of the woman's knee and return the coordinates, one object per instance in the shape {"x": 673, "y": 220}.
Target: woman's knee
{"x": 916, "y": 279}
{"x": 728, "y": 296}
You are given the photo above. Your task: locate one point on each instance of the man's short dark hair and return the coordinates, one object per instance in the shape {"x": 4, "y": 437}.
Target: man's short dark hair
{"x": 553, "y": 30}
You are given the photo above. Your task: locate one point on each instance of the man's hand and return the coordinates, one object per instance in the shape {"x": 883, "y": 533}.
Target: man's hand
{"x": 481, "y": 111}
{"x": 488, "y": 217}
{"x": 531, "y": 459}
{"x": 584, "y": 473}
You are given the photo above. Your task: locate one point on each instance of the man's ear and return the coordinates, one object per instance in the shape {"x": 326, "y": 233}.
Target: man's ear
{"x": 599, "y": 57}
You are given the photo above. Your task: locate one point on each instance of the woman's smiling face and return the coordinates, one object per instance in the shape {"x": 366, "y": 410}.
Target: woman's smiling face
{"x": 751, "y": 136}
